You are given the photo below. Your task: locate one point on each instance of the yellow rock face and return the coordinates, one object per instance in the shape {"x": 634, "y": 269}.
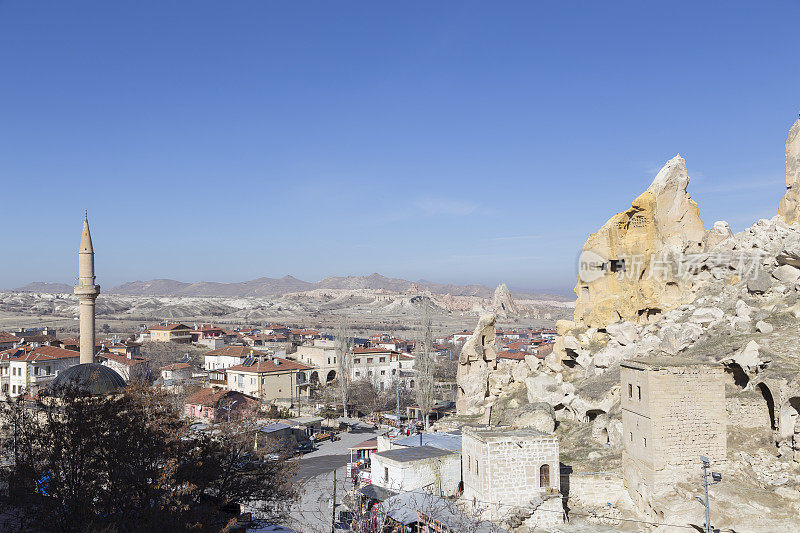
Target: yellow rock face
{"x": 629, "y": 268}
{"x": 789, "y": 206}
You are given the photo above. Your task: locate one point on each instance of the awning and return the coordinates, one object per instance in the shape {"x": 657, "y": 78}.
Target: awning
{"x": 374, "y": 492}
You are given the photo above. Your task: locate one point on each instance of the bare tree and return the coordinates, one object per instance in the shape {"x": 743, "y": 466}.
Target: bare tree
{"x": 128, "y": 461}
{"x": 343, "y": 346}
{"x": 424, "y": 364}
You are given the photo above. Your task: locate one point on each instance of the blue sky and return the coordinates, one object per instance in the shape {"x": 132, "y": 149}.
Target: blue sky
{"x": 449, "y": 141}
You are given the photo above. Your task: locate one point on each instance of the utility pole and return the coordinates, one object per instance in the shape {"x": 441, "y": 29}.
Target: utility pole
{"x": 716, "y": 477}
{"x": 333, "y": 510}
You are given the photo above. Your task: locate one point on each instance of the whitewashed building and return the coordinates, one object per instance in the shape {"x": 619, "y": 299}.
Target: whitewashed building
{"x": 229, "y": 356}
{"x": 28, "y": 369}
{"x": 420, "y": 468}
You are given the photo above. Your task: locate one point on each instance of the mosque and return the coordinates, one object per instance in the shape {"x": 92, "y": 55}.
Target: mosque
{"x": 88, "y": 376}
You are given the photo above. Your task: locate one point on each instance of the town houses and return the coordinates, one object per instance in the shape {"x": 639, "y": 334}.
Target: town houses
{"x": 268, "y": 361}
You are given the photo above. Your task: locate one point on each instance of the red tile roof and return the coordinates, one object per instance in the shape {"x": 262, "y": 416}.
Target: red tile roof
{"x": 176, "y": 366}
{"x": 169, "y": 327}
{"x": 211, "y": 396}
{"x": 366, "y": 445}
{"x": 7, "y": 337}
{"x": 236, "y": 351}
{"x": 40, "y": 353}
{"x": 123, "y": 360}
{"x": 359, "y": 351}
{"x": 516, "y": 355}
{"x": 269, "y": 365}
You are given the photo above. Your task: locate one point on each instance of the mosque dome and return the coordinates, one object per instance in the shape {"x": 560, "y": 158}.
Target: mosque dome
{"x": 94, "y": 378}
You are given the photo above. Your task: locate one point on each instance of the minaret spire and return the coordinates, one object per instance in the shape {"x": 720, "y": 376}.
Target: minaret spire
{"x": 87, "y": 292}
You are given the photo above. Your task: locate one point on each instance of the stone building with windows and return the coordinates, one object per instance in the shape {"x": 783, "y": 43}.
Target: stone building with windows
{"x": 320, "y": 354}
{"x": 270, "y": 379}
{"x": 506, "y": 469}
{"x": 180, "y": 333}
{"x": 673, "y": 411}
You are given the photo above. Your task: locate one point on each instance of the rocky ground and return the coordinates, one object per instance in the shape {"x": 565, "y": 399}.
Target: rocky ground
{"x": 747, "y": 320}
{"x": 368, "y": 310}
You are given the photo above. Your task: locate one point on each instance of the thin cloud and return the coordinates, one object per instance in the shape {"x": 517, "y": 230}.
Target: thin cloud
{"x": 444, "y": 207}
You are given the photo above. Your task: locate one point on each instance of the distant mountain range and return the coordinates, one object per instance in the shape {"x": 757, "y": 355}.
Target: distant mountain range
{"x": 43, "y": 286}
{"x": 266, "y": 287}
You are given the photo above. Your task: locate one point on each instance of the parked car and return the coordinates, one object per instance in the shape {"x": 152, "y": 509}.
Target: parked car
{"x": 304, "y": 447}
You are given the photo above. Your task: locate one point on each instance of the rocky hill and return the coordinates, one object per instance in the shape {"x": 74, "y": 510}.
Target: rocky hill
{"x": 269, "y": 287}
{"x": 45, "y": 287}
{"x": 655, "y": 283}
{"x": 170, "y": 287}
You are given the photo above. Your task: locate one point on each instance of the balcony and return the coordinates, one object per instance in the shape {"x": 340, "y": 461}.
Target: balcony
{"x": 41, "y": 378}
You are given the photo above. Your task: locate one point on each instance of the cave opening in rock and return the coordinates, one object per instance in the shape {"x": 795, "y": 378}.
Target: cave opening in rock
{"x": 737, "y": 375}
{"x": 767, "y": 395}
{"x": 591, "y": 414}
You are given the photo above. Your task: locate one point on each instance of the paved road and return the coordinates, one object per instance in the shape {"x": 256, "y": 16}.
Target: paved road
{"x": 312, "y": 514}
{"x": 332, "y": 455}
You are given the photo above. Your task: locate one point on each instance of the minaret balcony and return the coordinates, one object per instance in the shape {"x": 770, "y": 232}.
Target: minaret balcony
{"x": 87, "y": 290}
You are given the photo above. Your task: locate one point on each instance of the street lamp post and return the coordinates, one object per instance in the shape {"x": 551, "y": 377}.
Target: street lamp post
{"x": 716, "y": 477}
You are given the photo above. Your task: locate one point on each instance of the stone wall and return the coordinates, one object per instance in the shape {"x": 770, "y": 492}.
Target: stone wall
{"x": 594, "y": 490}
{"x": 503, "y": 466}
{"x": 748, "y": 410}
{"x": 673, "y": 412}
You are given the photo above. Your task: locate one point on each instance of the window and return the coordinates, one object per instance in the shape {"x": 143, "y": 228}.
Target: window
{"x": 544, "y": 476}
{"x": 476, "y": 467}
{"x": 411, "y": 384}
{"x": 630, "y": 390}
{"x": 334, "y": 359}
{"x": 358, "y": 373}
{"x": 36, "y": 371}
{"x": 49, "y": 371}
{"x": 630, "y": 437}
{"x": 357, "y": 360}
{"x": 394, "y": 371}
{"x": 329, "y": 360}
{"x": 383, "y": 372}
{"x": 369, "y": 359}
{"x": 639, "y": 392}
{"x": 644, "y": 441}
{"x": 382, "y": 360}
{"x": 370, "y": 372}
{"x": 386, "y": 474}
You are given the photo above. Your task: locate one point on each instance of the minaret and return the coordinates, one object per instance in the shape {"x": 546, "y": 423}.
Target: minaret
{"x": 87, "y": 292}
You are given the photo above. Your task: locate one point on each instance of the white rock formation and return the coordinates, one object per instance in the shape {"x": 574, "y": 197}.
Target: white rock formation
{"x": 789, "y": 206}
{"x": 627, "y": 269}
{"x": 717, "y": 234}
{"x": 478, "y": 358}
{"x": 503, "y": 303}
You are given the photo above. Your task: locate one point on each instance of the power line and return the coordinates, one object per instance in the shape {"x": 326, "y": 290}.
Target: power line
{"x": 586, "y": 515}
